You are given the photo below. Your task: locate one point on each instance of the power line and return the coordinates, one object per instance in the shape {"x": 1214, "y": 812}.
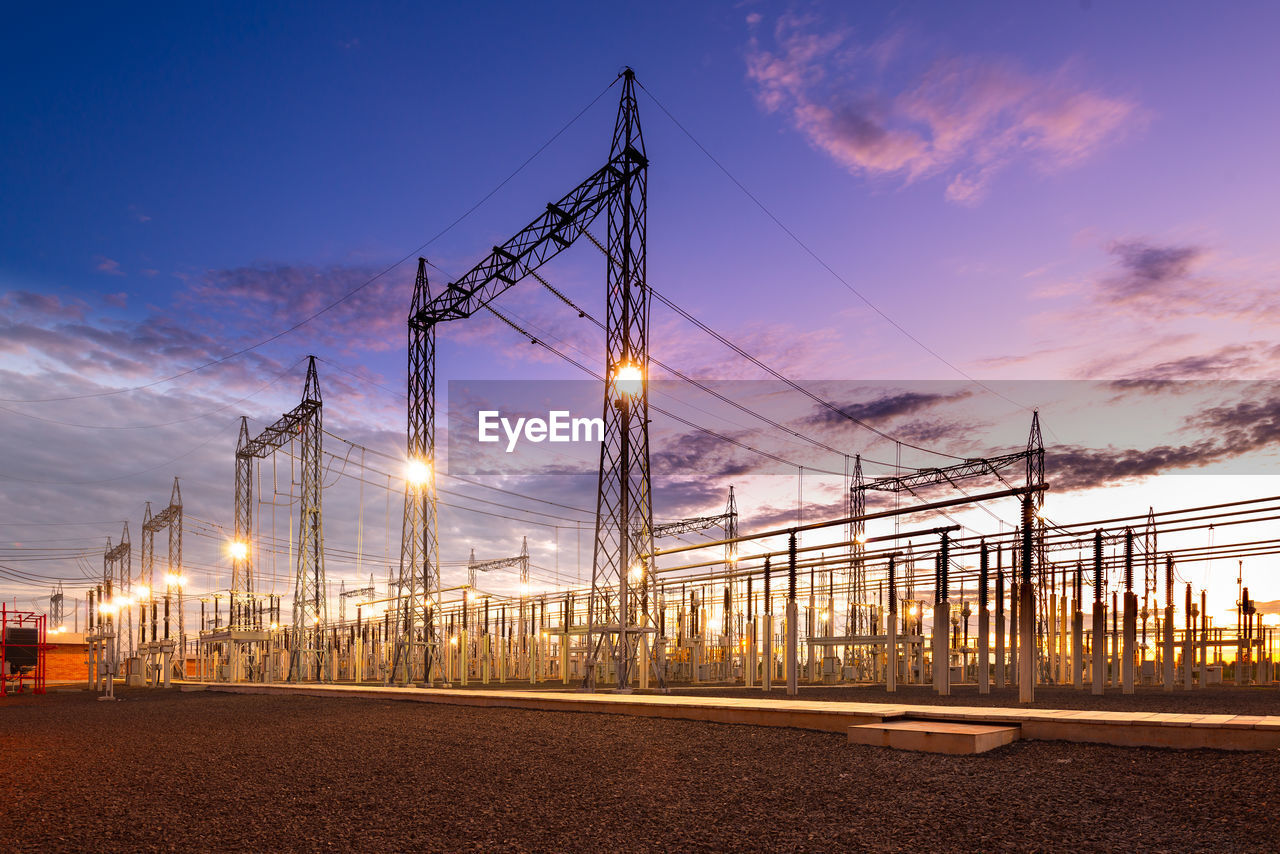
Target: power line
{"x": 396, "y": 458}
{"x": 814, "y": 255}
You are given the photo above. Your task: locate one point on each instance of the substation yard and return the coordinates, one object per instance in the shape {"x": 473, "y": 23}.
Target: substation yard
{"x": 178, "y": 771}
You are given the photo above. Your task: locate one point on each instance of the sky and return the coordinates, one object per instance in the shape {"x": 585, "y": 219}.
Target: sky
{"x": 994, "y": 196}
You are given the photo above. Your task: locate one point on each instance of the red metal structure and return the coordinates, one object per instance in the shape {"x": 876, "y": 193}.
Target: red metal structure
{"x": 22, "y": 651}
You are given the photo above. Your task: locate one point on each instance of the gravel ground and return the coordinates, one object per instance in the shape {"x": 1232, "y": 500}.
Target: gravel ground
{"x": 204, "y": 771}
{"x": 1213, "y": 700}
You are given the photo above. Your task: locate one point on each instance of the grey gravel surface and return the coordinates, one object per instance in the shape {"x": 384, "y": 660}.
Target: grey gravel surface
{"x": 169, "y": 771}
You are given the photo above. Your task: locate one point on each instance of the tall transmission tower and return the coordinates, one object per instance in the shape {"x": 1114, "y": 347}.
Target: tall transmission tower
{"x": 419, "y": 546}
{"x": 57, "y": 613}
{"x": 1035, "y": 477}
{"x": 241, "y": 554}
{"x": 304, "y": 424}
{"x": 624, "y": 501}
{"x": 857, "y": 546}
{"x": 169, "y": 518}
{"x": 117, "y": 575}
{"x": 309, "y": 601}
{"x": 617, "y": 616}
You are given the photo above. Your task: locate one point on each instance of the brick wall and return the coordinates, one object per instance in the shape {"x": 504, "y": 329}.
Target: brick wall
{"x": 66, "y": 661}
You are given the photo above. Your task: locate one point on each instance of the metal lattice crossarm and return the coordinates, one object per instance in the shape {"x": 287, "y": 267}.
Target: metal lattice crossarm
{"x": 521, "y": 560}
{"x": 689, "y": 526}
{"x": 497, "y": 563}
{"x": 287, "y": 427}
{"x": 960, "y": 471}
{"x": 555, "y": 230}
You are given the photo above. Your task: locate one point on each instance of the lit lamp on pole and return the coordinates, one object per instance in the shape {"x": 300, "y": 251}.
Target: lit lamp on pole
{"x": 417, "y": 473}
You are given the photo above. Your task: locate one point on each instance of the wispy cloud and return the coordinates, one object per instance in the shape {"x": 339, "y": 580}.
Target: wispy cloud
{"x": 32, "y": 306}
{"x": 882, "y": 408}
{"x": 110, "y": 266}
{"x": 1147, "y": 270}
{"x": 278, "y": 296}
{"x": 1164, "y": 281}
{"x": 962, "y": 118}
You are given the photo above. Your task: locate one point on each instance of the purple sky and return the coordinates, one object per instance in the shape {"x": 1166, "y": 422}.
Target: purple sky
{"x": 1033, "y": 192}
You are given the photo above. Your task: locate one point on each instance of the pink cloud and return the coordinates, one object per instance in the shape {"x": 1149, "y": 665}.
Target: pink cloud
{"x": 962, "y": 118}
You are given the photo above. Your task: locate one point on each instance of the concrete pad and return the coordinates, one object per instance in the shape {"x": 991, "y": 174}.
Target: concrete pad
{"x": 957, "y": 739}
{"x": 1247, "y": 722}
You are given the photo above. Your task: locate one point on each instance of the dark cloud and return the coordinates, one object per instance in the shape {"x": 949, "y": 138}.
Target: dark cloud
{"x": 1148, "y": 270}
{"x": 881, "y": 409}
{"x": 1231, "y": 362}
{"x": 707, "y": 455}
{"x": 1072, "y": 467}
{"x": 1245, "y": 426}
{"x": 1232, "y": 433}
{"x": 933, "y": 431}
{"x": 30, "y": 306}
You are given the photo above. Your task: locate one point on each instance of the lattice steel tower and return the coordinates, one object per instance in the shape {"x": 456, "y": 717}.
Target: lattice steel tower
{"x": 621, "y": 566}
{"x": 309, "y": 601}
{"x": 169, "y": 518}
{"x": 303, "y": 423}
{"x": 117, "y": 575}
{"x": 624, "y": 514}
{"x": 419, "y": 588}
{"x": 857, "y": 534}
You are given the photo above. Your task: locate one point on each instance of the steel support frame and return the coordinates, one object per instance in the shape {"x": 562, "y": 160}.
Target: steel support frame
{"x": 418, "y": 581}
{"x": 310, "y": 610}
{"x": 170, "y": 519}
{"x": 622, "y": 579}
{"x": 117, "y": 575}
{"x": 624, "y": 499}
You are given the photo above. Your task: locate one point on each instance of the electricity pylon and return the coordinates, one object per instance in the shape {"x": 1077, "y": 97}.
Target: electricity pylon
{"x": 617, "y": 616}
{"x": 169, "y": 518}
{"x": 418, "y": 596}
{"x": 304, "y": 424}
{"x": 117, "y": 575}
